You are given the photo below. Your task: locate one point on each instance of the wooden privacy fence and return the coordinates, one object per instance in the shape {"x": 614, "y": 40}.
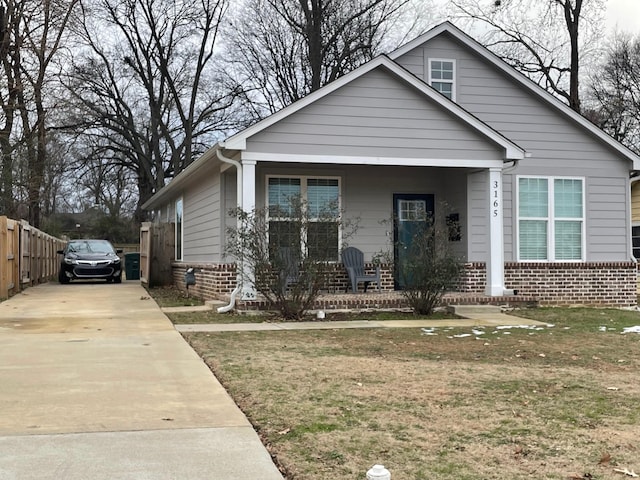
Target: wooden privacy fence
{"x": 156, "y": 253}
{"x": 28, "y": 256}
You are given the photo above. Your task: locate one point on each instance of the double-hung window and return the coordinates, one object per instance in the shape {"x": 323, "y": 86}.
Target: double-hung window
{"x": 550, "y": 219}
{"x": 442, "y": 74}
{"x": 179, "y": 223}
{"x": 304, "y": 214}
{"x": 635, "y": 238}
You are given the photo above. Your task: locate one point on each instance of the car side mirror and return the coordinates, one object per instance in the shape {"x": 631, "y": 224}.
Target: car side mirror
{"x": 60, "y": 252}
{"x": 118, "y": 250}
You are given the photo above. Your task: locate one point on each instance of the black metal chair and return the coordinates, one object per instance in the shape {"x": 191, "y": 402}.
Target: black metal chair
{"x": 353, "y": 261}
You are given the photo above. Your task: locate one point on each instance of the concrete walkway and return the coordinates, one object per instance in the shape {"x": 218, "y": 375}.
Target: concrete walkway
{"x": 473, "y": 316}
{"x": 95, "y": 383}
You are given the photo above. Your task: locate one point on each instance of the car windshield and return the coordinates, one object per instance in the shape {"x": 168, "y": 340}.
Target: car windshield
{"x": 90, "y": 246}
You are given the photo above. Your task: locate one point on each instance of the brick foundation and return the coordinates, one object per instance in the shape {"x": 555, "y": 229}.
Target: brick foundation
{"x": 594, "y": 283}
{"x": 212, "y": 280}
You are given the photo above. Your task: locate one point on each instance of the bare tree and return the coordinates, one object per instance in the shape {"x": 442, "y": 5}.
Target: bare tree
{"x": 146, "y": 90}
{"x": 42, "y": 27}
{"x": 545, "y": 39}
{"x": 615, "y": 90}
{"x": 10, "y": 59}
{"x": 281, "y": 50}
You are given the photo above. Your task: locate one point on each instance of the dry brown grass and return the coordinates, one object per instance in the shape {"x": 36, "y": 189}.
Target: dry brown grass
{"x": 544, "y": 404}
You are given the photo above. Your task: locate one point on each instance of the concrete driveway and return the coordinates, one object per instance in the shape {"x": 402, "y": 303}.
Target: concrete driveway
{"x": 95, "y": 383}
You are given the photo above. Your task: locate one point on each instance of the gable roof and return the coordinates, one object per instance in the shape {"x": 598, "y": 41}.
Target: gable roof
{"x": 512, "y": 151}
{"x": 521, "y": 79}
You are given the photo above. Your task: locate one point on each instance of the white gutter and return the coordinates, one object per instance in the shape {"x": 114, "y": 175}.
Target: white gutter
{"x": 238, "y": 165}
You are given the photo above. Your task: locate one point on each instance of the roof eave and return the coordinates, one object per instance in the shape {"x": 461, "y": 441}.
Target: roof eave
{"x": 169, "y": 190}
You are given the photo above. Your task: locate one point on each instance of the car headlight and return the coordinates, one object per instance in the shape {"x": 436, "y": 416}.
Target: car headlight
{"x": 116, "y": 260}
{"x": 70, "y": 261}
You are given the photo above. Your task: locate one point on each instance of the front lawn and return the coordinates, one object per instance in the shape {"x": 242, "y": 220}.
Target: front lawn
{"x": 551, "y": 402}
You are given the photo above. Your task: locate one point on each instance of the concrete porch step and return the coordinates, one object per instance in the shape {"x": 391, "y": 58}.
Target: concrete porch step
{"x": 471, "y": 310}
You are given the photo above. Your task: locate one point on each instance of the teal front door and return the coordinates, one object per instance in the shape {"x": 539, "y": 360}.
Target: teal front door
{"x": 411, "y": 212}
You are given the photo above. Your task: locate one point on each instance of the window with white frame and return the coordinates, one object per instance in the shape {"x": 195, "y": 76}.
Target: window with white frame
{"x": 550, "y": 219}
{"x": 320, "y": 196}
{"x": 442, "y": 74}
{"x": 179, "y": 223}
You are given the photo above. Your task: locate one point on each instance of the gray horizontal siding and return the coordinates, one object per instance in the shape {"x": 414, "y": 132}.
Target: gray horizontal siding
{"x": 558, "y": 147}
{"x": 367, "y": 197}
{"x": 375, "y": 115}
{"x": 202, "y": 220}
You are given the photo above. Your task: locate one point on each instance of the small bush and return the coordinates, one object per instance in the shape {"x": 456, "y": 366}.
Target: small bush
{"x": 286, "y": 254}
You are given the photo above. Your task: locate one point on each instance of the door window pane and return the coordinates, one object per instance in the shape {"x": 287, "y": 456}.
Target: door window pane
{"x": 412, "y": 210}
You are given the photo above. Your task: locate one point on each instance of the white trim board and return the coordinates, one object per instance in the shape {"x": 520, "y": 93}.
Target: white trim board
{"x": 388, "y": 161}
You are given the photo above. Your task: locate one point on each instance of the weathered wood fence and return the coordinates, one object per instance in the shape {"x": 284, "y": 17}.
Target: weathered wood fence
{"x": 156, "y": 253}
{"x": 28, "y": 256}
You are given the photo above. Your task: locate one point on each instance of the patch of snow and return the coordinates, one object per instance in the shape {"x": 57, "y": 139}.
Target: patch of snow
{"x": 526, "y": 327}
{"x": 635, "y": 329}
{"x": 602, "y": 329}
{"x": 429, "y": 331}
{"x": 461, "y": 335}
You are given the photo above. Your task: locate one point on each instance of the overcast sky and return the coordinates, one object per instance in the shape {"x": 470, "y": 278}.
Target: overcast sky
{"x": 625, "y": 14}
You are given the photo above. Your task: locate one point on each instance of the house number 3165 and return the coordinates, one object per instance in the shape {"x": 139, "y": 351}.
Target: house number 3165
{"x": 496, "y": 199}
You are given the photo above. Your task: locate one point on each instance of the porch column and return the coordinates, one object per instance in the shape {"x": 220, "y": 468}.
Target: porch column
{"x": 248, "y": 205}
{"x": 495, "y": 263}
{"x": 248, "y": 185}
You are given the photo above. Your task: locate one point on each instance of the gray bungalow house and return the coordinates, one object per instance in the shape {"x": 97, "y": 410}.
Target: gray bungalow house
{"x": 541, "y": 196}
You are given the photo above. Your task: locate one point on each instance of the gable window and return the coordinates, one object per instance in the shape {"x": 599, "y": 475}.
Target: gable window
{"x": 550, "y": 218}
{"x": 442, "y": 76}
{"x": 179, "y": 222}
{"x": 320, "y": 197}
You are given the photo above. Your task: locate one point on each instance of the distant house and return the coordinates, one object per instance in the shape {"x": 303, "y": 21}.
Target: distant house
{"x": 541, "y": 197}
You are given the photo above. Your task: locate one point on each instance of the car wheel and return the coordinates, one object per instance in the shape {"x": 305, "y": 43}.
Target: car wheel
{"x": 117, "y": 279}
{"x": 62, "y": 278}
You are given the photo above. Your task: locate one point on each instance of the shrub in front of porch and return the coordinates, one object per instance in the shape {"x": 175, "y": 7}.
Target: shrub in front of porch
{"x": 428, "y": 267}
{"x": 287, "y": 253}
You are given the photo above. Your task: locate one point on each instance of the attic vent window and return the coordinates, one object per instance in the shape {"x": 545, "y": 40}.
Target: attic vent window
{"x": 442, "y": 75}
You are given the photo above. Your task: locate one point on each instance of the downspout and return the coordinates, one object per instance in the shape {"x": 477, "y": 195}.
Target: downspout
{"x": 238, "y": 165}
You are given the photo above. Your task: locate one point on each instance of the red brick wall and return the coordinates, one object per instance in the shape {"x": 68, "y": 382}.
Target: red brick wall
{"x": 212, "y": 280}
{"x": 599, "y": 284}
{"x": 593, "y": 283}
{"x": 216, "y": 280}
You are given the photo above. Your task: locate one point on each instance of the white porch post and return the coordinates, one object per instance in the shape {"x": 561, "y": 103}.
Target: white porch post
{"x": 495, "y": 263}
{"x": 248, "y": 205}
{"x": 248, "y": 185}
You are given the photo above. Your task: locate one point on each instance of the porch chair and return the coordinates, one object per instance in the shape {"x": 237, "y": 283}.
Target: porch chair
{"x": 289, "y": 268}
{"x": 353, "y": 261}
